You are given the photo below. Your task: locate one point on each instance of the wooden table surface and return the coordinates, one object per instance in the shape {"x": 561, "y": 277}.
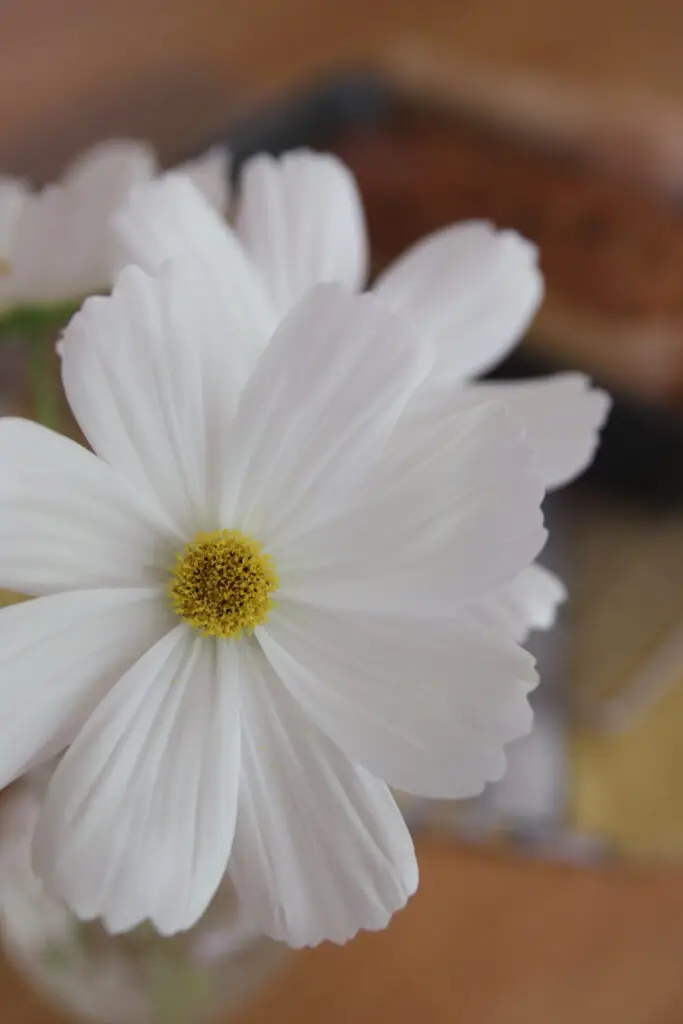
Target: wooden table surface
{"x": 487, "y": 940}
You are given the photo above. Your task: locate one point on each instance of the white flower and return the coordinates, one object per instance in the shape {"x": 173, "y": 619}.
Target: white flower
{"x": 55, "y": 244}
{"x": 219, "y": 497}
{"x": 469, "y": 288}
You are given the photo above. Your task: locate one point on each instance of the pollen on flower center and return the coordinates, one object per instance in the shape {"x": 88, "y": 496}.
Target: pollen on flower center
{"x": 222, "y": 583}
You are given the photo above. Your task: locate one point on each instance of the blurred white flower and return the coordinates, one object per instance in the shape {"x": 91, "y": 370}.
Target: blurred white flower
{"x": 246, "y": 612}
{"x": 471, "y": 289}
{"x": 55, "y": 244}
{"x": 29, "y": 916}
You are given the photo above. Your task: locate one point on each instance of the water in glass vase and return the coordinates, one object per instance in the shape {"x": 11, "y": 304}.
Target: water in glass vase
{"x": 136, "y": 978}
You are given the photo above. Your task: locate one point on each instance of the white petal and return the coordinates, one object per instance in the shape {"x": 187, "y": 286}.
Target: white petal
{"x": 68, "y": 522}
{"x": 321, "y": 849}
{"x": 470, "y": 288}
{"x": 31, "y": 918}
{"x": 99, "y": 181}
{"x": 317, "y": 411}
{"x": 101, "y": 178}
{"x": 109, "y": 169}
{"x": 210, "y": 173}
{"x": 62, "y": 245}
{"x": 140, "y": 815}
{"x": 170, "y": 218}
{"x": 426, "y": 706}
{"x": 153, "y": 378}
{"x": 52, "y": 258}
{"x": 58, "y": 657}
{"x": 451, "y": 513}
{"x": 530, "y": 602}
{"x": 300, "y": 218}
{"x": 563, "y": 415}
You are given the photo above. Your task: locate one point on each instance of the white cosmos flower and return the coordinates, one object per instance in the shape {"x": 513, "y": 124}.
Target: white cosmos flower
{"x": 220, "y": 496}
{"x": 471, "y": 289}
{"x": 56, "y": 245}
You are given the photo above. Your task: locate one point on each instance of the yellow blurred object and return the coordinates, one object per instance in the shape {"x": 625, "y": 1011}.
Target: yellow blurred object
{"x": 627, "y": 785}
{"x": 626, "y": 600}
{"x": 9, "y": 597}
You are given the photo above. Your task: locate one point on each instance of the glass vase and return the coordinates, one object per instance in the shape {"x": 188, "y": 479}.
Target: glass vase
{"x": 136, "y": 978}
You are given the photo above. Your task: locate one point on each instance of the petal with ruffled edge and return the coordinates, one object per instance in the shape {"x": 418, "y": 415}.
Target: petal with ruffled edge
{"x": 109, "y": 169}
{"x": 426, "y": 706}
{"x": 316, "y": 413}
{"x": 563, "y": 416}
{"x": 170, "y": 218}
{"x": 62, "y": 245}
{"x": 530, "y": 602}
{"x": 445, "y": 517}
{"x": 69, "y": 522}
{"x": 58, "y": 657}
{"x": 471, "y": 289}
{"x": 99, "y": 181}
{"x": 210, "y": 173}
{"x": 153, "y": 378}
{"x": 321, "y": 849}
{"x": 139, "y": 817}
{"x": 301, "y": 220}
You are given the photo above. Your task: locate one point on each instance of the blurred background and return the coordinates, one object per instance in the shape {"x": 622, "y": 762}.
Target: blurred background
{"x": 559, "y": 894}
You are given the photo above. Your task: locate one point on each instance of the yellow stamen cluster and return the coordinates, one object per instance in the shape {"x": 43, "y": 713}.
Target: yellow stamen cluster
{"x": 222, "y": 583}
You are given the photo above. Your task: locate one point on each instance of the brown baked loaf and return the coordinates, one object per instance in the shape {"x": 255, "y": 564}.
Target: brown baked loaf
{"x": 612, "y": 252}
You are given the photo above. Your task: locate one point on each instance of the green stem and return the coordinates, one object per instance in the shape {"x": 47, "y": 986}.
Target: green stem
{"x": 178, "y": 990}
{"x": 29, "y": 320}
{"x": 42, "y": 380}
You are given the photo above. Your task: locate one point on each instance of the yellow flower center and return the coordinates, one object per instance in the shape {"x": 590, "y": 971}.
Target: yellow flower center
{"x": 222, "y": 583}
